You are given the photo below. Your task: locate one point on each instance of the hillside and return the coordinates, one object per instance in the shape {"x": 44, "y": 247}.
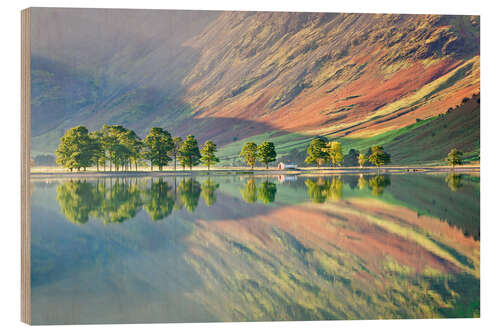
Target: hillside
{"x": 231, "y": 76}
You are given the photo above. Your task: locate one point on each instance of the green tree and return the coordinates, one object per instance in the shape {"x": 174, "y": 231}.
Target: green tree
{"x": 316, "y": 152}
{"x": 249, "y": 192}
{"x": 266, "y": 153}
{"x": 334, "y": 151}
{"x": 158, "y": 145}
{"x": 362, "y": 160}
{"x": 249, "y": 153}
{"x": 267, "y": 192}
{"x": 190, "y": 153}
{"x": 454, "y": 157}
{"x": 208, "y": 154}
{"x": 378, "y": 156}
{"x": 134, "y": 147}
{"x": 208, "y": 189}
{"x": 77, "y": 149}
{"x": 175, "y": 150}
{"x": 99, "y": 157}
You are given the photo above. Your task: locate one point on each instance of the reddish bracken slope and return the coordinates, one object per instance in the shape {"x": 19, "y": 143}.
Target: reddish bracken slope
{"x": 340, "y": 74}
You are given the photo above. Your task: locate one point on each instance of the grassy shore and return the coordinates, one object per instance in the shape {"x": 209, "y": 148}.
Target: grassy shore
{"x": 39, "y": 172}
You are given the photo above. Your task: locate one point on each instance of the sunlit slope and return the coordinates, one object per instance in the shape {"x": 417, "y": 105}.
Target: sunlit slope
{"x": 231, "y": 76}
{"x": 424, "y": 141}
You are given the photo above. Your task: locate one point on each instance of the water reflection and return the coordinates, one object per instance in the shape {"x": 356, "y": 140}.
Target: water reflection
{"x": 117, "y": 200}
{"x": 254, "y": 248}
{"x": 454, "y": 181}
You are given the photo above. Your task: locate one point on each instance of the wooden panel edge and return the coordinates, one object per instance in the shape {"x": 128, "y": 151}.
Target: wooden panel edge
{"x": 25, "y": 167}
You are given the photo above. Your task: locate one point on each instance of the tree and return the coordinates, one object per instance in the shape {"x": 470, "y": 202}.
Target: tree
{"x": 334, "y": 151}
{"x": 159, "y": 144}
{"x": 351, "y": 159}
{"x": 190, "y": 153}
{"x": 249, "y": 153}
{"x": 362, "y": 160}
{"x": 454, "y": 157}
{"x": 175, "y": 150}
{"x": 208, "y": 154}
{"x": 76, "y": 149}
{"x": 378, "y": 156}
{"x": 99, "y": 157}
{"x": 316, "y": 152}
{"x": 134, "y": 147}
{"x": 266, "y": 153}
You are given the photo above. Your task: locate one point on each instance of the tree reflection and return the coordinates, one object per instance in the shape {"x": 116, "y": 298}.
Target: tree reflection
{"x": 267, "y": 192}
{"x": 78, "y": 200}
{"x": 117, "y": 200}
{"x": 189, "y": 191}
{"x": 378, "y": 184}
{"x": 454, "y": 181}
{"x": 159, "y": 200}
{"x": 208, "y": 189}
{"x": 120, "y": 200}
{"x": 249, "y": 192}
{"x": 321, "y": 190}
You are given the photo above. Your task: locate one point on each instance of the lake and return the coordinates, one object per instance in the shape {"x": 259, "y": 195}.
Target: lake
{"x": 245, "y": 248}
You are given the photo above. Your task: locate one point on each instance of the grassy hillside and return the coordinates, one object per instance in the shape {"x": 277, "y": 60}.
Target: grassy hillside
{"x": 426, "y": 141}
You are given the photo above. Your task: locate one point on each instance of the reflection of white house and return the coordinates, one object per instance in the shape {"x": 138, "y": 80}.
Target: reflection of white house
{"x": 287, "y": 178}
{"x": 283, "y": 166}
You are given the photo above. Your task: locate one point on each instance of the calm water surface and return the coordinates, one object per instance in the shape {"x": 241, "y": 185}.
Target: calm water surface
{"x": 243, "y": 248}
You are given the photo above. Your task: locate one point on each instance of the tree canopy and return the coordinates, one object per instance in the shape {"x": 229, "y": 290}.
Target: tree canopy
{"x": 454, "y": 157}
{"x": 334, "y": 151}
{"x": 190, "y": 153}
{"x": 249, "y": 153}
{"x": 317, "y": 152}
{"x": 158, "y": 145}
{"x": 378, "y": 156}
{"x": 208, "y": 151}
{"x": 266, "y": 153}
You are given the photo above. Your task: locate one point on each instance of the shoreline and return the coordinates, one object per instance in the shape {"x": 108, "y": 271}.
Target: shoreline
{"x": 226, "y": 172}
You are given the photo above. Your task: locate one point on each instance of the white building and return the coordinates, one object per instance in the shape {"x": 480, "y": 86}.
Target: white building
{"x": 283, "y": 166}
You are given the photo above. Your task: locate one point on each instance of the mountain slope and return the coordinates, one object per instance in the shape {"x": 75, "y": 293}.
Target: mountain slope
{"x": 234, "y": 75}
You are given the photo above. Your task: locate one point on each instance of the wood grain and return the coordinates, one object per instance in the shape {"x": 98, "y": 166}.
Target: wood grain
{"x": 25, "y": 167}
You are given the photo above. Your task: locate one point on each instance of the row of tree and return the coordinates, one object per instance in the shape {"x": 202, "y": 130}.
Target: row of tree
{"x": 264, "y": 153}
{"x": 122, "y": 148}
{"x": 321, "y": 151}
